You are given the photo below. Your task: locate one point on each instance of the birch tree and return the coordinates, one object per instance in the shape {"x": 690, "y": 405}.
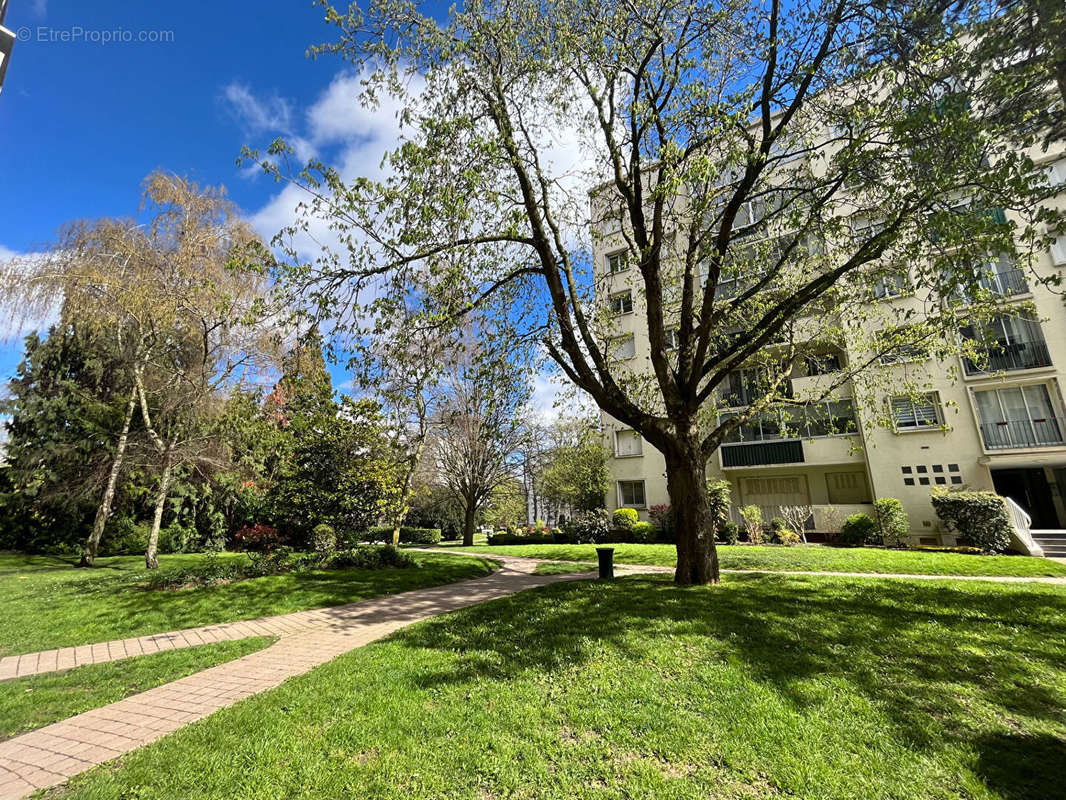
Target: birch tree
{"x": 183, "y": 293}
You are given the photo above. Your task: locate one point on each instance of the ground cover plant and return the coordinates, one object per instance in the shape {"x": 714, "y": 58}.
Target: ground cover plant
{"x": 767, "y": 686}
{"x": 809, "y": 557}
{"x": 49, "y": 604}
{"x": 39, "y": 700}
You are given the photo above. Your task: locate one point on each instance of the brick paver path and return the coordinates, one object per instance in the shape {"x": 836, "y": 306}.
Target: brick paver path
{"x": 51, "y": 755}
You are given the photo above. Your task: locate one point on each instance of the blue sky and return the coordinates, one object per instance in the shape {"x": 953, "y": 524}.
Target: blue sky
{"x": 83, "y": 121}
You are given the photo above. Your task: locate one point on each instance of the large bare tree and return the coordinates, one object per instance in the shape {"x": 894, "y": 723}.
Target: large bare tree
{"x": 763, "y": 168}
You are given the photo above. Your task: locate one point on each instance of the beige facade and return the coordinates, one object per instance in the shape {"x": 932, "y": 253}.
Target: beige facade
{"x": 1003, "y": 428}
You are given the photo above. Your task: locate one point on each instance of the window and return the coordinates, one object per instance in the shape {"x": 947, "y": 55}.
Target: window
{"x": 893, "y": 284}
{"x": 1009, "y": 343}
{"x": 617, "y": 262}
{"x": 624, "y": 347}
{"x": 1056, "y": 173}
{"x": 898, "y": 346}
{"x": 811, "y": 421}
{"x": 915, "y": 413}
{"x": 1019, "y": 416}
{"x": 1058, "y": 251}
{"x": 673, "y": 338}
{"x": 823, "y": 364}
{"x": 628, "y": 443}
{"x": 631, "y": 494}
{"x": 622, "y": 303}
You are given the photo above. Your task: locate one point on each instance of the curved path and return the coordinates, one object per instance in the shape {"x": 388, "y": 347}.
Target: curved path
{"x": 51, "y": 755}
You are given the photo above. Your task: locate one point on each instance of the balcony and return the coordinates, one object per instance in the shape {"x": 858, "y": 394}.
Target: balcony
{"x": 757, "y": 454}
{"x": 1014, "y": 434}
{"x": 1006, "y": 283}
{"x": 1013, "y": 356}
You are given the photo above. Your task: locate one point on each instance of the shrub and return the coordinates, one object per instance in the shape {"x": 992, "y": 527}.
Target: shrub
{"x": 785, "y": 536}
{"x": 383, "y": 556}
{"x": 324, "y": 540}
{"x": 718, "y": 493}
{"x": 257, "y": 538}
{"x": 752, "y": 516}
{"x": 644, "y": 533}
{"x": 625, "y": 518}
{"x": 383, "y": 533}
{"x": 980, "y": 518}
{"x": 660, "y": 516}
{"x": 858, "y": 529}
{"x": 892, "y": 522}
{"x": 729, "y": 532}
{"x": 592, "y": 527}
{"x": 775, "y": 525}
{"x": 124, "y": 536}
{"x": 563, "y": 536}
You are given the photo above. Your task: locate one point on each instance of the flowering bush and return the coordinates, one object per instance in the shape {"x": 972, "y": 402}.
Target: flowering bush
{"x": 258, "y": 538}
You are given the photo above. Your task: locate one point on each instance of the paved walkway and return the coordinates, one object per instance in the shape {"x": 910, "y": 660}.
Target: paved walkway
{"x": 51, "y": 755}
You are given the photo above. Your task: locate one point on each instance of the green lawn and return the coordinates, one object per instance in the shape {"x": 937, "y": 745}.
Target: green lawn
{"x": 765, "y": 686}
{"x": 38, "y": 700}
{"x": 47, "y": 603}
{"x": 805, "y": 557}
{"x": 561, "y": 568}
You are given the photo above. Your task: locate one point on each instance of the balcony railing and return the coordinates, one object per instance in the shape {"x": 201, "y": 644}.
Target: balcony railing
{"x": 1016, "y": 355}
{"x": 1011, "y": 281}
{"x": 1011, "y": 434}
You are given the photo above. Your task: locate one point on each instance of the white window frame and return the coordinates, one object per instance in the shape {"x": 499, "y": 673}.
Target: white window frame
{"x": 643, "y": 491}
{"x": 673, "y": 339}
{"x": 615, "y": 343}
{"x": 620, "y": 256}
{"x": 1058, "y": 250}
{"x": 934, "y": 401}
{"x": 639, "y": 440}
{"x": 623, "y": 298}
{"x": 891, "y": 285}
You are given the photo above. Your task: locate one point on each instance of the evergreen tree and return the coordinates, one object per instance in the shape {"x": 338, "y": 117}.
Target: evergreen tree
{"x": 66, "y": 408}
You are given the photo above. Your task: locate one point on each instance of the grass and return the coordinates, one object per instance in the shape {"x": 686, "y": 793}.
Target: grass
{"x": 806, "y": 557}
{"x": 47, "y": 603}
{"x": 561, "y": 568}
{"x": 766, "y": 686}
{"x": 39, "y": 700}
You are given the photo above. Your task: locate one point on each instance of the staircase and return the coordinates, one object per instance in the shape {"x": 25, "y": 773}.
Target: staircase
{"x": 1052, "y": 542}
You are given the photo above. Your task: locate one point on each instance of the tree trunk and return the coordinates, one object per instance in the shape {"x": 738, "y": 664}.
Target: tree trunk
{"x": 469, "y": 517}
{"x": 151, "y": 555}
{"x": 92, "y": 544}
{"x": 686, "y": 482}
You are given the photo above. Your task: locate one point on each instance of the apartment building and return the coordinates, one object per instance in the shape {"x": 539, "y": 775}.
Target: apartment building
{"x": 998, "y": 424}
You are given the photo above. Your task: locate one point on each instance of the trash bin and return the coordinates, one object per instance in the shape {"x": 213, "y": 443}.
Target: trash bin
{"x": 606, "y": 556}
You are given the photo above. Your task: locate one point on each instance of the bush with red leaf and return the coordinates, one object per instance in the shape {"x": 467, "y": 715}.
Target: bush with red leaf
{"x": 258, "y": 538}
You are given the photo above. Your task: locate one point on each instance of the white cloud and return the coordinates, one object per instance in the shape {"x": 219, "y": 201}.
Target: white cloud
{"x": 264, "y": 115}
{"x": 40, "y": 8}
{"x": 353, "y": 138}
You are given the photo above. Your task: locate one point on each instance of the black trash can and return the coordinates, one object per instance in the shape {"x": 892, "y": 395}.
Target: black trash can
{"x": 606, "y": 556}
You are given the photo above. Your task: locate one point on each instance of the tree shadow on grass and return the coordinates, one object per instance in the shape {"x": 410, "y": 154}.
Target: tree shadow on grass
{"x": 925, "y": 654}
{"x": 1022, "y": 767}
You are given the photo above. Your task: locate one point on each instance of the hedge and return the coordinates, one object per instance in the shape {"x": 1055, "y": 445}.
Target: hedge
{"x": 980, "y": 518}
{"x": 504, "y": 538}
{"x": 383, "y": 533}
